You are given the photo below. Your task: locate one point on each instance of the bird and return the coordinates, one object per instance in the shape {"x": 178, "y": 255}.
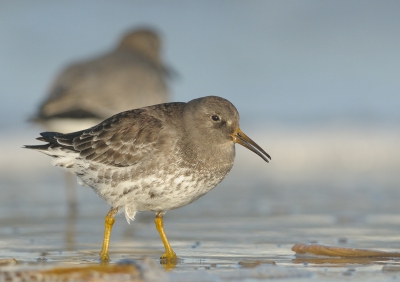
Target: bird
{"x": 156, "y": 158}
{"x": 132, "y": 75}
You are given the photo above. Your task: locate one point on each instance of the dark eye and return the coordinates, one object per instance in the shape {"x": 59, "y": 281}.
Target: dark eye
{"x": 215, "y": 118}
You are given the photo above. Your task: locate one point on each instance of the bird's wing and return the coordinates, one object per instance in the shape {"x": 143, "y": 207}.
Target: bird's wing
{"x": 122, "y": 140}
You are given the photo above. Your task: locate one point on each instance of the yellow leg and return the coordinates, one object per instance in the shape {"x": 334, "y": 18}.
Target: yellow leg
{"x": 169, "y": 253}
{"x": 109, "y": 222}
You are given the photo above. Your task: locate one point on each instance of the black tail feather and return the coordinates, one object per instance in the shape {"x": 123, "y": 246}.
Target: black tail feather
{"x": 55, "y": 139}
{"x": 49, "y": 137}
{"x": 38, "y": 147}
{"x": 46, "y": 137}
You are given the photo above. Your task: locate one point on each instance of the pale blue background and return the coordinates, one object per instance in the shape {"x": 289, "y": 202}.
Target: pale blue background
{"x": 302, "y": 61}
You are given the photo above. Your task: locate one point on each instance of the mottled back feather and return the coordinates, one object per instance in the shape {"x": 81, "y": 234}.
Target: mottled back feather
{"x": 123, "y": 139}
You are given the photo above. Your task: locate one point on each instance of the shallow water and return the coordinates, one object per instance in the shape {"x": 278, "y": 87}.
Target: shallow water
{"x": 218, "y": 244}
{"x": 253, "y": 217}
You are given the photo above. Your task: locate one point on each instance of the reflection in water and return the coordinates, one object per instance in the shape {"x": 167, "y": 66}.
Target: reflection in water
{"x": 143, "y": 270}
{"x": 71, "y": 190}
{"x": 250, "y": 263}
{"x": 8, "y": 262}
{"x": 72, "y": 211}
{"x": 391, "y": 268}
{"x": 341, "y": 262}
{"x": 170, "y": 264}
{"x": 333, "y": 251}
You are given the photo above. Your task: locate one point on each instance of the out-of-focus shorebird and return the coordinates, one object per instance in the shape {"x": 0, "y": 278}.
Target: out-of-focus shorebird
{"x": 85, "y": 93}
{"x": 132, "y": 75}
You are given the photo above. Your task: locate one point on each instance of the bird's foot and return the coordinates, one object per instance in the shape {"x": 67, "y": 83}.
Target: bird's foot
{"x": 104, "y": 257}
{"x": 169, "y": 260}
{"x": 169, "y": 256}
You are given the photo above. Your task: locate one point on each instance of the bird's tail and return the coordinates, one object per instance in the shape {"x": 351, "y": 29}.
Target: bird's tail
{"x": 45, "y": 137}
{"x": 44, "y": 147}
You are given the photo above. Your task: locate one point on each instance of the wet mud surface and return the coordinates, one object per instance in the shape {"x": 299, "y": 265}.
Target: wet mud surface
{"x": 243, "y": 230}
{"x": 211, "y": 247}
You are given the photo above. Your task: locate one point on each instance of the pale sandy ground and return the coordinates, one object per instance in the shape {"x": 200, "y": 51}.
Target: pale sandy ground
{"x": 334, "y": 186}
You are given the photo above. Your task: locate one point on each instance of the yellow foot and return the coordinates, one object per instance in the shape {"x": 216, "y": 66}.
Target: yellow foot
{"x": 169, "y": 256}
{"x": 169, "y": 260}
{"x": 104, "y": 257}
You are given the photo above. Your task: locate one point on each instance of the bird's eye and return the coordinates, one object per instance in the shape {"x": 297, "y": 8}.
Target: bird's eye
{"x": 215, "y": 118}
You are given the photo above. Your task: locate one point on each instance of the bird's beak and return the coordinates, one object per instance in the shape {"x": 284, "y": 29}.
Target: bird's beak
{"x": 239, "y": 137}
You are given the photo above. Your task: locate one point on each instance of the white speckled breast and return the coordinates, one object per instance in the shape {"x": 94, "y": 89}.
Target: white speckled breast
{"x": 167, "y": 185}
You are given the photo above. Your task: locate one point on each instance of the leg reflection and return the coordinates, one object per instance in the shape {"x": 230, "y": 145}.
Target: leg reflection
{"x": 72, "y": 211}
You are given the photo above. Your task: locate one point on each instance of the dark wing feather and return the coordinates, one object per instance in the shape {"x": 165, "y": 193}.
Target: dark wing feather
{"x": 121, "y": 140}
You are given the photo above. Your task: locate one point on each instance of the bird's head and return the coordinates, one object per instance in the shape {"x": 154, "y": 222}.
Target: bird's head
{"x": 215, "y": 121}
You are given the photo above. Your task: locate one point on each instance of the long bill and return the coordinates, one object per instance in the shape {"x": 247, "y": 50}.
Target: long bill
{"x": 239, "y": 137}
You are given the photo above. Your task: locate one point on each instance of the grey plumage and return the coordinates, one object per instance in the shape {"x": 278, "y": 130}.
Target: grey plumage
{"x": 131, "y": 76}
{"x": 155, "y": 158}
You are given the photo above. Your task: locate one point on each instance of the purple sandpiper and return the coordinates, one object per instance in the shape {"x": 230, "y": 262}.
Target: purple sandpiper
{"x": 156, "y": 158}
{"x": 85, "y": 93}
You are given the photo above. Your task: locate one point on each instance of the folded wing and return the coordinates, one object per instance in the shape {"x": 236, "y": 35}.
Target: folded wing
{"x": 121, "y": 140}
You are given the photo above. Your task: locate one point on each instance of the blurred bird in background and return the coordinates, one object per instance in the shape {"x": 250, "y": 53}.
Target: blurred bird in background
{"x": 131, "y": 76}
{"x": 85, "y": 93}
